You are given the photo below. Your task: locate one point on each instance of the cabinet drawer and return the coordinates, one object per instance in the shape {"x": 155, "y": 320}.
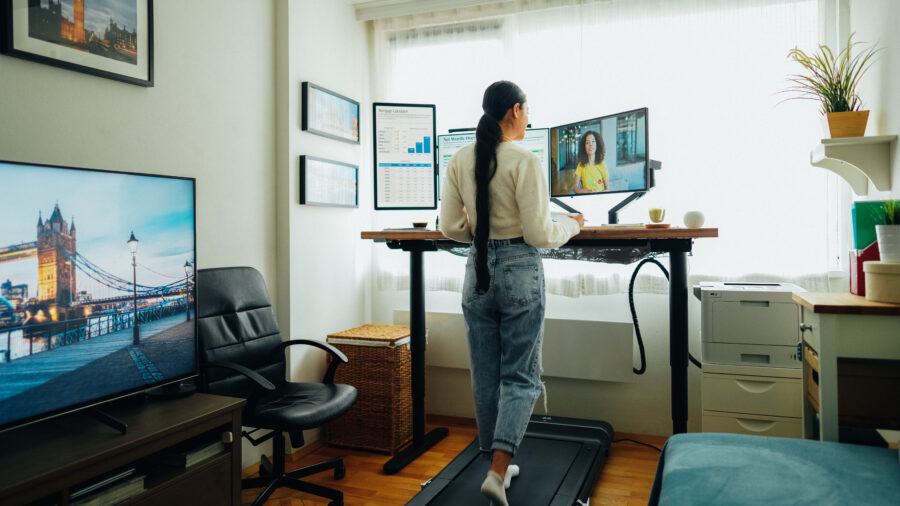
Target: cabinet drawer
{"x": 207, "y": 483}
{"x": 757, "y": 395}
{"x": 737, "y": 423}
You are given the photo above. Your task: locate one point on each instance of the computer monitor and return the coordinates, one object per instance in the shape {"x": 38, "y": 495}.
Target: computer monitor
{"x": 97, "y": 311}
{"x": 618, "y": 143}
{"x": 536, "y": 140}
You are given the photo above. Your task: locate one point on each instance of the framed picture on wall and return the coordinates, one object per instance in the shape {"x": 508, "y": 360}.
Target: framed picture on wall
{"x": 106, "y": 38}
{"x": 328, "y": 183}
{"x": 329, "y": 114}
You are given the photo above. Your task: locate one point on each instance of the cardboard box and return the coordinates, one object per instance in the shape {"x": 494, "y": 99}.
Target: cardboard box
{"x": 883, "y": 279}
{"x": 857, "y": 275}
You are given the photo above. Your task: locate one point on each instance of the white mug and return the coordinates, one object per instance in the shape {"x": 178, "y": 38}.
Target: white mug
{"x": 693, "y": 219}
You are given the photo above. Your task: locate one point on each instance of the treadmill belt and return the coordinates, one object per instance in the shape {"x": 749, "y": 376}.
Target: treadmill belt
{"x": 559, "y": 459}
{"x": 543, "y": 463}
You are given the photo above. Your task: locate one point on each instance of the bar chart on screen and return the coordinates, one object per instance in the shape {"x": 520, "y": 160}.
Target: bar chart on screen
{"x": 404, "y": 156}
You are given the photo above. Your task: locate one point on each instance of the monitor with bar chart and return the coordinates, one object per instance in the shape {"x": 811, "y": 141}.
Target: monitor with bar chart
{"x": 405, "y": 157}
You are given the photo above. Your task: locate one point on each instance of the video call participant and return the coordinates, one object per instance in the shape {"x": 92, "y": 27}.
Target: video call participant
{"x": 591, "y": 174}
{"x": 496, "y": 197}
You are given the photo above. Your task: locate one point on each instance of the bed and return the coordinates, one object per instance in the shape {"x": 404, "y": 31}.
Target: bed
{"x": 709, "y": 468}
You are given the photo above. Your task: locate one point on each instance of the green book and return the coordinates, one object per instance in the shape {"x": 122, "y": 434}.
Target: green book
{"x": 865, "y": 215}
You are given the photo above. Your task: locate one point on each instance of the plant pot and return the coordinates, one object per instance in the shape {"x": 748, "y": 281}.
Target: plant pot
{"x": 888, "y": 242}
{"x": 847, "y": 124}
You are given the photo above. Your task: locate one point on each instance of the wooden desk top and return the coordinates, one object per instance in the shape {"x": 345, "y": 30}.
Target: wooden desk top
{"x": 843, "y": 303}
{"x": 608, "y": 232}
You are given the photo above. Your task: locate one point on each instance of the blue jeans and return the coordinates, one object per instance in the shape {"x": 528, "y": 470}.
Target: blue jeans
{"x": 505, "y": 327}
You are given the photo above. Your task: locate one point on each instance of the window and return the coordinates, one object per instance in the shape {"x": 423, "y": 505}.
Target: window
{"x": 710, "y": 73}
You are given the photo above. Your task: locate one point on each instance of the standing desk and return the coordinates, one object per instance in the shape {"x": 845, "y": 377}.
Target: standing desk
{"x": 677, "y": 242}
{"x": 842, "y": 325}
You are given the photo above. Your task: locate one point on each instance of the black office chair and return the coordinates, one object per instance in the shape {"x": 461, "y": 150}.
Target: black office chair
{"x": 242, "y": 355}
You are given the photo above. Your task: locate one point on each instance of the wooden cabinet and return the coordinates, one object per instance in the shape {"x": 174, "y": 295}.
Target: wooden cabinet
{"x": 752, "y": 400}
{"x": 46, "y": 462}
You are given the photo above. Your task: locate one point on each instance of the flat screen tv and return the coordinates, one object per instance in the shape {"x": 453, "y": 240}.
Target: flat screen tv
{"x": 600, "y": 155}
{"x": 97, "y": 297}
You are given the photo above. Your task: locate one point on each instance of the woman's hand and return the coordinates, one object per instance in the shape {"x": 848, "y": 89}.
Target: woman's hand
{"x": 579, "y": 218}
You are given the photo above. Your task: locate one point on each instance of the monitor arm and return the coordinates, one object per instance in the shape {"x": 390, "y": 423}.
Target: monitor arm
{"x": 655, "y": 165}
{"x": 565, "y": 206}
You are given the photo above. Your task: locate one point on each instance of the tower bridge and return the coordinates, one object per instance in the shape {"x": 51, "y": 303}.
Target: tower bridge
{"x": 58, "y": 264}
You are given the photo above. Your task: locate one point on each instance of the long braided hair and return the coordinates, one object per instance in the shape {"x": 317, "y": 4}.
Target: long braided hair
{"x": 498, "y": 99}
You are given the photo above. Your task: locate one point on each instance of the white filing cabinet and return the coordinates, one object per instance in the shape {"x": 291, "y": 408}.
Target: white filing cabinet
{"x": 752, "y": 400}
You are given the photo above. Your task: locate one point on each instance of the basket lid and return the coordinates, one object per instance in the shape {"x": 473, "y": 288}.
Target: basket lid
{"x": 881, "y": 267}
{"x": 386, "y": 333}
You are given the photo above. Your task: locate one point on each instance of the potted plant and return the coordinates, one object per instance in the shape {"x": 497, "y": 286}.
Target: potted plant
{"x": 831, "y": 79}
{"x": 888, "y": 234}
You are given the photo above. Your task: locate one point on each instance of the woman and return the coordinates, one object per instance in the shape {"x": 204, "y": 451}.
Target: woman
{"x": 496, "y": 198}
{"x": 592, "y": 174}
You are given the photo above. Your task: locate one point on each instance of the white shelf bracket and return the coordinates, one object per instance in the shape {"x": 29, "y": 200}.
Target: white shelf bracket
{"x": 858, "y": 160}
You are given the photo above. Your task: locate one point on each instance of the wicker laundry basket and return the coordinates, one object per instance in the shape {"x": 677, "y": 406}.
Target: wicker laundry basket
{"x": 379, "y": 367}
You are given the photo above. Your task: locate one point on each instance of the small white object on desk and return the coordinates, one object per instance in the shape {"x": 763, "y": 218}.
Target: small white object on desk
{"x": 693, "y": 219}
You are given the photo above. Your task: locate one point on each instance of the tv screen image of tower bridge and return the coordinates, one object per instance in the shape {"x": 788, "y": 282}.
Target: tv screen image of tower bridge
{"x": 96, "y": 285}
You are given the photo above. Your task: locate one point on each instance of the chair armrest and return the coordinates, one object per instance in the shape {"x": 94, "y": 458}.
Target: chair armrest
{"x": 336, "y": 354}
{"x": 256, "y": 377}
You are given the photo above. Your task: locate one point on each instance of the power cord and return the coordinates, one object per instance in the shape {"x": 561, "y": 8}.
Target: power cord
{"x": 638, "y": 442}
{"x": 637, "y": 328}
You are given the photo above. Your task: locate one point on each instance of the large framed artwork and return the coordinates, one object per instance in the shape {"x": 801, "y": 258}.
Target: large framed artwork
{"x": 106, "y": 38}
{"x": 328, "y": 183}
{"x": 330, "y": 114}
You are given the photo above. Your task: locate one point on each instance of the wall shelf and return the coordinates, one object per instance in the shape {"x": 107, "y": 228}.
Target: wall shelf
{"x": 858, "y": 160}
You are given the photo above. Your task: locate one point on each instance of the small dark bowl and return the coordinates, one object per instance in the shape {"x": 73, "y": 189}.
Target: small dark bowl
{"x": 420, "y": 224}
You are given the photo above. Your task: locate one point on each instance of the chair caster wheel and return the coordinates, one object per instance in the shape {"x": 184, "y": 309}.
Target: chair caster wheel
{"x": 340, "y": 472}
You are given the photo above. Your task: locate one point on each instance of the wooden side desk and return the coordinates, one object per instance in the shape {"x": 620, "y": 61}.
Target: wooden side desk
{"x": 842, "y": 325}
{"x": 677, "y": 242}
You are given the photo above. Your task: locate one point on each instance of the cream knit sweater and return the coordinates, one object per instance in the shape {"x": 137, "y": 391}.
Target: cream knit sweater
{"x": 519, "y": 198}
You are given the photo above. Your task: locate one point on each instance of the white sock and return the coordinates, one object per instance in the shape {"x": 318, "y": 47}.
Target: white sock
{"x": 493, "y": 489}
{"x": 511, "y": 472}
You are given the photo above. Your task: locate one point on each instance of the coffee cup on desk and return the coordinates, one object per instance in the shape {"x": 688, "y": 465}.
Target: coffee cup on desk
{"x": 657, "y": 214}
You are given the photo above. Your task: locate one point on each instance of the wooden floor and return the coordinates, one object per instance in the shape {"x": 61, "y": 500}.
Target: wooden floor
{"x": 626, "y": 479}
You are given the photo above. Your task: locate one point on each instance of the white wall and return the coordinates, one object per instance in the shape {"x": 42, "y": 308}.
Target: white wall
{"x": 209, "y": 116}
{"x": 320, "y": 253}
{"x": 875, "y": 21}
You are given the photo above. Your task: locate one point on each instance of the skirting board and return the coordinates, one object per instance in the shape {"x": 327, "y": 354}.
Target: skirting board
{"x": 577, "y": 349}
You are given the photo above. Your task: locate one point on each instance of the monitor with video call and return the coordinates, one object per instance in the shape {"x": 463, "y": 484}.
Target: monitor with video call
{"x": 601, "y": 155}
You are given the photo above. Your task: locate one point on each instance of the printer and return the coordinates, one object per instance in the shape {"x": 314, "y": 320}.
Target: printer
{"x": 751, "y": 324}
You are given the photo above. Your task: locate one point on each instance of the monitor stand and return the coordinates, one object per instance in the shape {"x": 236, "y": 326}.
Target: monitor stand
{"x": 614, "y": 212}
{"x": 107, "y": 419}
{"x": 565, "y": 206}
{"x": 173, "y": 390}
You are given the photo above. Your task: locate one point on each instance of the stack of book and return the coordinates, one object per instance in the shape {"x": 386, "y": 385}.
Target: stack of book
{"x": 112, "y": 489}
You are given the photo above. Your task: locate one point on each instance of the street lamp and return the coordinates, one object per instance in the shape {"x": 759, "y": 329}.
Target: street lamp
{"x": 188, "y": 269}
{"x": 132, "y": 245}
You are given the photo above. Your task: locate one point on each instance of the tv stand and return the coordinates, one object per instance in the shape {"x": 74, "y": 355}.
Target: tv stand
{"x": 48, "y": 461}
{"x": 107, "y": 419}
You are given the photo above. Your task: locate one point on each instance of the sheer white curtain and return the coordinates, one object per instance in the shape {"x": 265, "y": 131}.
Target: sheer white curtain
{"x": 710, "y": 73}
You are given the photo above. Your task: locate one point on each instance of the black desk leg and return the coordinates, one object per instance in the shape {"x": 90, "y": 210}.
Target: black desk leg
{"x": 678, "y": 339}
{"x": 421, "y": 442}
